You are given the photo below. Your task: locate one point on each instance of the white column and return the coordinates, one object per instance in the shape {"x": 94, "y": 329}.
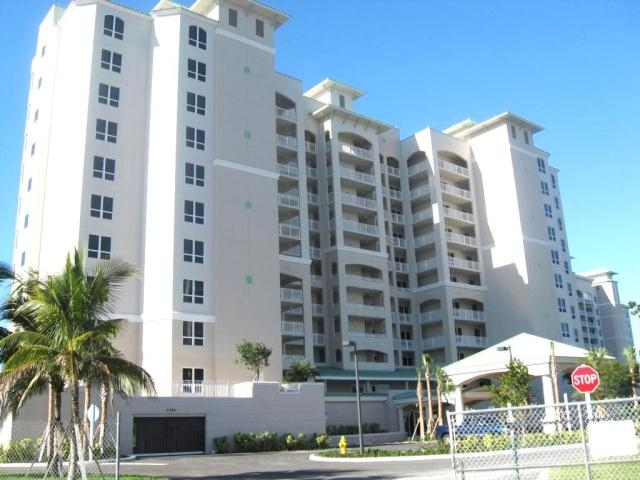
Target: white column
{"x": 550, "y": 412}
{"x": 459, "y": 403}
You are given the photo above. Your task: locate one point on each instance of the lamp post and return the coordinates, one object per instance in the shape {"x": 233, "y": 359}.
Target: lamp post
{"x": 353, "y": 345}
{"x": 504, "y": 349}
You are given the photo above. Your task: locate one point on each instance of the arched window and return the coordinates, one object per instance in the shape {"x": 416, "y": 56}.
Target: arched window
{"x": 114, "y": 27}
{"x": 197, "y": 37}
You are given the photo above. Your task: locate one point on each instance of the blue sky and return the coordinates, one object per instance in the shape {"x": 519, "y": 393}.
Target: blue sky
{"x": 571, "y": 66}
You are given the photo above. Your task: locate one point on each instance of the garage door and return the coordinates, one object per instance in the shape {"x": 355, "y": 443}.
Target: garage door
{"x": 168, "y": 434}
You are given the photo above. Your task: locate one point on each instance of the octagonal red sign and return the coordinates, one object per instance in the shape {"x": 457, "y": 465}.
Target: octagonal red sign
{"x": 585, "y": 379}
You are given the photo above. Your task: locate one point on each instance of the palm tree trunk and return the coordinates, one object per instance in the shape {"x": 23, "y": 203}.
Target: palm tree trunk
{"x": 76, "y": 450}
{"x": 420, "y": 408}
{"x": 87, "y": 402}
{"x": 439, "y": 393}
{"x": 104, "y": 402}
{"x": 427, "y": 374}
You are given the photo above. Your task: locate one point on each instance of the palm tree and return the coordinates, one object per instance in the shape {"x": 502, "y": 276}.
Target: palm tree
{"x": 443, "y": 385}
{"x": 420, "y": 406}
{"x": 597, "y": 356}
{"x": 632, "y": 362}
{"x": 427, "y": 361}
{"x": 5, "y": 272}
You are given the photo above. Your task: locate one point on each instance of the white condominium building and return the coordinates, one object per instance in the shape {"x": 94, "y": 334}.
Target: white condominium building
{"x": 254, "y": 210}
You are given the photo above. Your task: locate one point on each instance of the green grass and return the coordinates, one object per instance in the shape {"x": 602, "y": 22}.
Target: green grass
{"x": 598, "y": 472}
{"x": 437, "y": 449}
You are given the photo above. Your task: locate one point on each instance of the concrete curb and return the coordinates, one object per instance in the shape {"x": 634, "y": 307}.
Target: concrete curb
{"x": 409, "y": 458}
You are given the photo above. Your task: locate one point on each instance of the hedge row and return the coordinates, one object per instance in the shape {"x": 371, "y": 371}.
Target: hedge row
{"x": 353, "y": 429}
{"x": 269, "y": 442}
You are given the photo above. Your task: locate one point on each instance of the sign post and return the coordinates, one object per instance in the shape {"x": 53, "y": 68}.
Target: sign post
{"x": 585, "y": 379}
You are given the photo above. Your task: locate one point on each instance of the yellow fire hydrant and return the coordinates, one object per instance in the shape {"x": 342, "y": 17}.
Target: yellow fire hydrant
{"x": 343, "y": 445}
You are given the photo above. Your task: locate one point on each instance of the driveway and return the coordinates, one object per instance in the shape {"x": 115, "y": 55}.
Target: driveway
{"x": 286, "y": 465}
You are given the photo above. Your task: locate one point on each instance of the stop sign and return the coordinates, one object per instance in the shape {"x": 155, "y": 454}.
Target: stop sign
{"x": 585, "y": 379}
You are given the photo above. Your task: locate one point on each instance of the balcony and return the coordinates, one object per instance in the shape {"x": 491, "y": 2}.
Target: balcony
{"x": 392, "y": 193}
{"x": 402, "y": 344}
{"x": 471, "y": 341}
{"x": 356, "y": 151}
{"x": 401, "y": 317}
{"x": 198, "y": 388}
{"x": 352, "y": 333}
{"x": 422, "y": 215}
{"x": 317, "y": 309}
{"x": 395, "y": 217}
{"x": 419, "y": 192}
{"x": 426, "y": 265}
{"x": 364, "y": 228}
{"x": 393, "y": 171}
{"x": 357, "y": 201}
{"x": 315, "y": 253}
{"x": 467, "y": 314}
{"x": 290, "y": 170}
{"x": 362, "y": 278}
{"x": 287, "y": 360}
{"x": 458, "y": 215}
{"x": 295, "y": 329}
{"x": 399, "y": 266}
{"x": 312, "y": 198}
{"x": 288, "y": 114}
{"x": 312, "y": 172}
{"x": 314, "y": 225}
{"x": 455, "y": 191}
{"x": 309, "y": 147}
{"x": 418, "y": 168}
{"x": 462, "y": 239}
{"x": 431, "y": 316}
{"x": 287, "y": 142}
{"x": 295, "y": 251}
{"x": 397, "y": 242}
{"x": 292, "y": 295}
{"x": 354, "y": 175}
{"x": 453, "y": 168}
{"x": 288, "y": 200}
{"x": 433, "y": 343}
{"x": 318, "y": 339}
{"x": 464, "y": 264}
{"x": 423, "y": 240}
{"x": 290, "y": 230}
{"x": 375, "y": 310}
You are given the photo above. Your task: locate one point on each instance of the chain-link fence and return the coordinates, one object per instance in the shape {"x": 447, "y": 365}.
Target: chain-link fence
{"x": 39, "y": 449}
{"x": 570, "y": 441}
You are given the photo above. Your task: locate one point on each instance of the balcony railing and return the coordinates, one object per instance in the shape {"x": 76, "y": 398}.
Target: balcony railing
{"x": 288, "y": 200}
{"x": 356, "y": 151}
{"x": 467, "y": 314}
{"x": 462, "y": 239}
{"x": 291, "y": 295}
{"x": 401, "y": 317}
{"x": 209, "y": 389}
{"x": 418, "y": 192}
{"x": 314, "y": 225}
{"x": 395, "y": 171}
{"x": 353, "y": 333}
{"x": 359, "y": 201}
{"x": 397, "y": 242}
{"x": 453, "y": 190}
{"x": 310, "y": 147}
{"x": 426, "y": 265}
{"x": 312, "y": 198}
{"x": 399, "y": 266}
{"x": 458, "y": 214}
{"x": 397, "y": 194}
{"x": 422, "y": 215}
{"x": 295, "y": 251}
{"x": 433, "y": 342}
{"x": 355, "y": 175}
{"x": 471, "y": 341}
{"x": 288, "y": 170}
{"x": 464, "y": 264}
{"x": 417, "y": 168}
{"x": 293, "y": 328}
{"x": 315, "y": 252}
{"x": 318, "y": 338}
{"x": 286, "y": 113}
{"x": 358, "y": 227}
{"x": 312, "y": 172}
{"x": 363, "y": 278}
{"x": 291, "y": 231}
{"x": 371, "y": 308}
{"x": 316, "y": 278}
{"x": 453, "y": 168}
{"x": 395, "y": 217}
{"x": 287, "y": 142}
{"x": 287, "y": 360}
{"x": 317, "y": 309}
{"x": 423, "y": 240}
{"x": 430, "y": 316}
{"x": 402, "y": 344}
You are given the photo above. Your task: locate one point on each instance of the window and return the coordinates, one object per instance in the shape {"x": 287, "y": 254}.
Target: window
{"x": 573, "y": 312}
{"x": 341, "y": 101}
{"x": 193, "y": 251}
{"x": 101, "y": 207}
{"x": 39, "y": 83}
{"x": 555, "y": 257}
{"x": 551, "y": 232}
{"x": 544, "y": 187}
{"x": 553, "y": 180}
{"x": 563, "y": 244}
{"x": 194, "y": 174}
{"x": 195, "y": 138}
{"x": 23, "y": 258}
{"x": 192, "y": 333}
{"x": 111, "y": 61}
{"x": 564, "y": 330}
{"x": 548, "y": 211}
{"x": 526, "y": 137}
{"x": 193, "y": 212}
{"x": 192, "y": 291}
{"x": 108, "y": 95}
{"x": 113, "y": 27}
{"x": 562, "y": 305}
{"x": 558, "y": 280}
{"x": 566, "y": 266}
{"x": 569, "y": 289}
{"x": 26, "y": 221}
{"x": 513, "y": 131}
{"x": 192, "y": 380}
{"x": 197, "y": 37}
{"x": 99, "y": 247}
{"x": 35, "y": 116}
{"x": 106, "y": 130}
{"x": 560, "y": 225}
{"x": 197, "y": 70}
{"x": 556, "y": 201}
{"x": 259, "y": 28}
{"x": 33, "y": 149}
{"x": 43, "y": 50}
{"x": 196, "y": 103}
{"x": 233, "y": 17}
{"x": 29, "y": 182}
{"x": 104, "y": 168}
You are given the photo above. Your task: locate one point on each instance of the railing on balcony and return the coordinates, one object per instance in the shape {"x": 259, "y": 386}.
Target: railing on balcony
{"x": 462, "y": 239}
{"x": 314, "y": 225}
{"x": 288, "y": 200}
{"x": 291, "y": 295}
{"x": 295, "y": 251}
{"x": 359, "y": 201}
{"x": 316, "y": 278}
{"x": 422, "y": 191}
{"x": 317, "y": 309}
{"x": 288, "y": 230}
{"x": 397, "y": 242}
{"x": 312, "y": 198}
{"x": 422, "y": 215}
{"x": 453, "y": 168}
{"x": 210, "y": 389}
{"x": 287, "y": 360}
{"x": 363, "y": 278}
{"x": 426, "y": 265}
{"x": 312, "y": 172}
{"x": 371, "y": 308}
{"x": 310, "y": 147}
{"x": 471, "y": 341}
{"x": 399, "y": 266}
{"x": 395, "y": 171}
{"x": 287, "y": 142}
{"x": 358, "y": 227}
{"x": 288, "y": 170}
{"x": 354, "y": 175}
{"x": 458, "y": 214}
{"x": 457, "y": 191}
{"x": 430, "y": 316}
{"x": 315, "y": 252}
{"x": 464, "y": 264}
{"x": 423, "y": 240}
{"x": 356, "y": 151}
{"x": 292, "y": 328}
{"x": 392, "y": 193}
{"x": 401, "y": 317}
{"x": 318, "y": 338}
{"x": 417, "y": 168}
{"x": 433, "y": 342}
{"x": 402, "y": 344}
{"x": 395, "y": 217}
{"x": 353, "y": 333}
{"x": 468, "y": 314}
{"x": 286, "y": 113}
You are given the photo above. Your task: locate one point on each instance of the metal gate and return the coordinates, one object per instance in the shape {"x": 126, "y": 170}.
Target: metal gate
{"x": 569, "y": 441}
{"x": 168, "y": 434}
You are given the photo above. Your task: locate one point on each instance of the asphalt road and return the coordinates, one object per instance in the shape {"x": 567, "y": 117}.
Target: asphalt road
{"x": 287, "y": 465}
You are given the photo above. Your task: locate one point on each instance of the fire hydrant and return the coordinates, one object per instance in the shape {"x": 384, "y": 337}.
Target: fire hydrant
{"x": 343, "y": 445}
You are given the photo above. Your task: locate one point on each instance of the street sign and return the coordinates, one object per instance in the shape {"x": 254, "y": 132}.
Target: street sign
{"x": 585, "y": 379}
{"x": 93, "y": 413}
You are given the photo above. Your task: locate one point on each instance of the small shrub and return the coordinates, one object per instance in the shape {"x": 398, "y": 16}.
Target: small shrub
{"x": 267, "y": 442}
{"x": 221, "y": 444}
{"x": 322, "y": 441}
{"x": 245, "y": 442}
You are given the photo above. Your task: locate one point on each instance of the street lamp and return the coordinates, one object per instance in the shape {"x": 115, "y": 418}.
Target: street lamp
{"x": 353, "y": 345}
{"x": 504, "y": 349}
